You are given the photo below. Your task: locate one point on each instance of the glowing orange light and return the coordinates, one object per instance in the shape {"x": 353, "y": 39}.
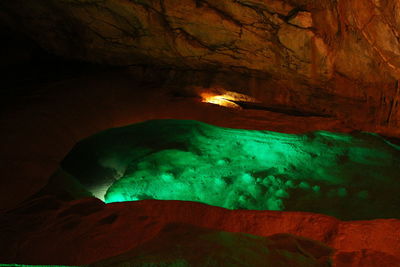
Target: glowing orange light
{"x": 225, "y": 98}
{"x": 222, "y": 100}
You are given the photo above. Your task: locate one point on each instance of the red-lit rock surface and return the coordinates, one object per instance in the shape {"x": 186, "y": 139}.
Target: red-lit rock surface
{"x": 185, "y": 245}
{"x": 48, "y": 231}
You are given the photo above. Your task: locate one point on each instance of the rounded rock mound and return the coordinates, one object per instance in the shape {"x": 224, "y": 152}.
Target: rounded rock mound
{"x": 349, "y": 176}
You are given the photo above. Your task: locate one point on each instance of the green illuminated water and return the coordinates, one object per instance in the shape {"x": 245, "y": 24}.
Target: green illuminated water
{"x": 347, "y": 176}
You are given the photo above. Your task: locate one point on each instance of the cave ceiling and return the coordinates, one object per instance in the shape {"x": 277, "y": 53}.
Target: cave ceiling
{"x": 303, "y": 54}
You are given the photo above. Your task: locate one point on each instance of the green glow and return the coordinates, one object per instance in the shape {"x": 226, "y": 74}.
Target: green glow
{"x": 347, "y": 176}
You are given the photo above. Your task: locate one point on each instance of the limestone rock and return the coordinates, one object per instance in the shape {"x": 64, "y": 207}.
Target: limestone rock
{"x": 182, "y": 245}
{"x": 307, "y": 50}
{"x": 48, "y": 231}
{"x": 241, "y": 169}
{"x": 302, "y": 19}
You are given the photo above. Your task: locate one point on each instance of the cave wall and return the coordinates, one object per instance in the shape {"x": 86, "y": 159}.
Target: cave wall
{"x": 336, "y": 57}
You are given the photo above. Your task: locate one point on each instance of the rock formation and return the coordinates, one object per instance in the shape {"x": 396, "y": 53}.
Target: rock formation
{"x": 87, "y": 230}
{"x": 335, "y": 57}
{"x": 350, "y": 177}
{"x": 297, "y": 66}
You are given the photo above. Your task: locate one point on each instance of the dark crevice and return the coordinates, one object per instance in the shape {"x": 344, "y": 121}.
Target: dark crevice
{"x": 279, "y": 109}
{"x": 293, "y": 13}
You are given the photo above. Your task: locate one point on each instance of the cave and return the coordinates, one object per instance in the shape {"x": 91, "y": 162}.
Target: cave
{"x": 200, "y": 133}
